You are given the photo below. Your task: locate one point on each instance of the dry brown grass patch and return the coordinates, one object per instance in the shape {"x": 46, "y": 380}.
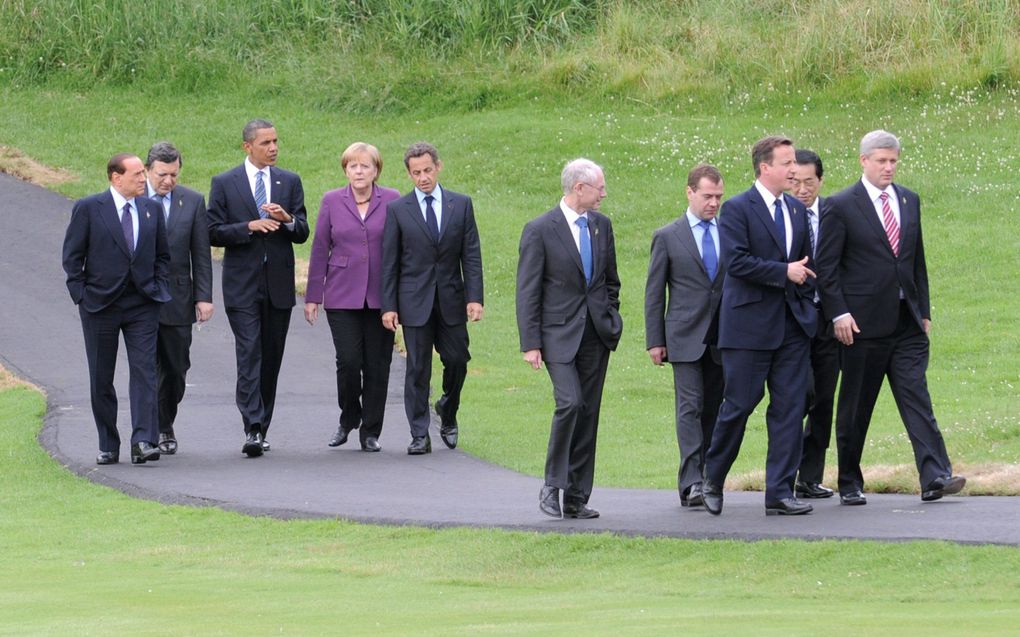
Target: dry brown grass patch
{"x": 10, "y": 381}
{"x": 18, "y": 164}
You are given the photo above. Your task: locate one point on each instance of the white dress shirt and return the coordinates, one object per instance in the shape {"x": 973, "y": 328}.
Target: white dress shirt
{"x": 770, "y": 203}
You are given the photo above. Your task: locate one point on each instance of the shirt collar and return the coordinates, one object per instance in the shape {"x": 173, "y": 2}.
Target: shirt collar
{"x": 251, "y": 169}
{"x": 693, "y": 219}
{"x": 151, "y": 193}
{"x": 437, "y": 194}
{"x": 813, "y": 208}
{"x": 569, "y": 212}
{"x": 119, "y": 200}
{"x": 770, "y": 199}
{"x": 874, "y": 191}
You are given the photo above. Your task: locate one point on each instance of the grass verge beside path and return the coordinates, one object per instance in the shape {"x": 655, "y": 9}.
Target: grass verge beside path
{"x": 82, "y": 559}
{"x": 959, "y": 154}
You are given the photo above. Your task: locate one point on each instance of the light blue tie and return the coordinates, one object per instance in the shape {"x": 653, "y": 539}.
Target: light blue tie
{"x": 586, "y": 256}
{"x": 260, "y": 195}
{"x": 708, "y": 255}
{"x": 160, "y": 199}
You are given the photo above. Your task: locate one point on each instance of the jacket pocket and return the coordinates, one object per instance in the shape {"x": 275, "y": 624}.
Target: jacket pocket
{"x": 339, "y": 260}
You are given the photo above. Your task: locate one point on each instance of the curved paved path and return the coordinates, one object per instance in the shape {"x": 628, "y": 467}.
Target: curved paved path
{"x": 41, "y": 340}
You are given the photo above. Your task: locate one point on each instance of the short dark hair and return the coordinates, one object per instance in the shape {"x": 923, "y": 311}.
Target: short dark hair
{"x": 417, "y": 150}
{"x": 703, "y": 171}
{"x": 116, "y": 164}
{"x": 163, "y": 152}
{"x": 761, "y": 153}
{"x": 252, "y": 127}
{"x": 805, "y": 157}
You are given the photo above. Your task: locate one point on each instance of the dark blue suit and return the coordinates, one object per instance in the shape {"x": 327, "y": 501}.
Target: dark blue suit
{"x": 765, "y": 326}
{"x": 118, "y": 290}
{"x": 258, "y": 282}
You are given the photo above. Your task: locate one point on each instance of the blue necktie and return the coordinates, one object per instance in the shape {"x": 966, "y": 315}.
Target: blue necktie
{"x": 781, "y": 226}
{"x": 128, "y": 227}
{"x": 260, "y": 195}
{"x": 708, "y": 255}
{"x": 586, "y": 257}
{"x": 430, "y": 218}
{"x": 158, "y": 198}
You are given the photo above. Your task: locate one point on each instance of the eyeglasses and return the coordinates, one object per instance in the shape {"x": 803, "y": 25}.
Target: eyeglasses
{"x": 600, "y": 189}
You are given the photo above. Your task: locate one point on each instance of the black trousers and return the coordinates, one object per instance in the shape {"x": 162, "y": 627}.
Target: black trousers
{"x": 260, "y": 334}
{"x": 173, "y": 360}
{"x": 698, "y": 391}
{"x": 137, "y": 318}
{"x": 901, "y": 357}
{"x": 818, "y": 426}
{"x": 451, "y": 341}
{"x": 577, "y": 391}
{"x": 364, "y": 349}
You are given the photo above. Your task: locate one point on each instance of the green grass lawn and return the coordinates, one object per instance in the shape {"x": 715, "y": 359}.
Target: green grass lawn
{"x": 81, "y": 559}
{"x": 959, "y": 154}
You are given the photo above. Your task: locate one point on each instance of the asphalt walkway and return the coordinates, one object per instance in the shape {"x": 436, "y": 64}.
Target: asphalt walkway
{"x": 41, "y": 341}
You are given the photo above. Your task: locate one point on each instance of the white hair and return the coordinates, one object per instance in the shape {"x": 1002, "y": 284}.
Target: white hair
{"x": 877, "y": 139}
{"x": 579, "y": 170}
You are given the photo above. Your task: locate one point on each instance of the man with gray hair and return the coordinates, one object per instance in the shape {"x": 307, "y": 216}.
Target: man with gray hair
{"x": 873, "y": 281}
{"x": 190, "y": 282}
{"x": 568, "y": 301}
{"x": 257, "y": 213}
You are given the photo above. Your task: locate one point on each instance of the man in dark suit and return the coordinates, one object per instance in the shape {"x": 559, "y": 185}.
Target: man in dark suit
{"x": 117, "y": 262}
{"x": 190, "y": 282}
{"x": 807, "y": 182}
{"x": 766, "y": 321}
{"x": 568, "y": 301}
{"x": 432, "y": 285}
{"x": 257, "y": 212}
{"x": 874, "y": 284}
{"x": 685, "y": 263}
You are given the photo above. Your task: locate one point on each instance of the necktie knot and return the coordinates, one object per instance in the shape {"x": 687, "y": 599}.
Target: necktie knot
{"x": 582, "y": 222}
{"x": 884, "y": 197}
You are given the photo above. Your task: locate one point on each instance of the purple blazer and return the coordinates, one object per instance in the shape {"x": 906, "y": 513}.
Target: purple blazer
{"x": 344, "y": 270}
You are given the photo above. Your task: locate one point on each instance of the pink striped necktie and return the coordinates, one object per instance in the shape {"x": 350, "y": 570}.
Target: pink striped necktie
{"x": 892, "y": 229}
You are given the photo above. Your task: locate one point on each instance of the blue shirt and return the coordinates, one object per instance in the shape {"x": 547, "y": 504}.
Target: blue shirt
{"x": 437, "y": 205}
{"x": 699, "y": 232}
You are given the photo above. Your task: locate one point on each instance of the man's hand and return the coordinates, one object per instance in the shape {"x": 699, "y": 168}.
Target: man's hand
{"x": 311, "y": 312}
{"x": 658, "y": 354}
{"x": 798, "y": 272}
{"x": 926, "y": 323}
{"x": 203, "y": 311}
{"x": 263, "y": 225}
{"x": 533, "y": 357}
{"x": 390, "y": 321}
{"x": 475, "y": 311}
{"x": 845, "y": 328}
{"x": 276, "y": 212}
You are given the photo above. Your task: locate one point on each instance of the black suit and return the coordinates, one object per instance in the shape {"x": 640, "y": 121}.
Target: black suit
{"x": 118, "y": 289}
{"x": 575, "y": 325}
{"x": 190, "y": 282}
{"x": 859, "y": 274}
{"x": 765, "y": 326}
{"x": 258, "y": 282}
{"x": 824, "y": 376}
{"x": 429, "y": 284}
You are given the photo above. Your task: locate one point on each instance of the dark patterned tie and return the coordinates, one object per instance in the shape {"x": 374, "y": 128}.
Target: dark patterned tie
{"x": 781, "y": 226}
{"x": 430, "y": 218}
{"x": 260, "y": 195}
{"x": 128, "y": 227}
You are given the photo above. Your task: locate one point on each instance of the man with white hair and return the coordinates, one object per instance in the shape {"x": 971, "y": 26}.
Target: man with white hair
{"x": 568, "y": 301}
{"x": 874, "y": 284}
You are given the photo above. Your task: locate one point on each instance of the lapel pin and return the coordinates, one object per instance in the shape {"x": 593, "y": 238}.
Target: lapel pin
{"x": 277, "y": 183}
{"x": 146, "y": 215}
{"x": 596, "y": 231}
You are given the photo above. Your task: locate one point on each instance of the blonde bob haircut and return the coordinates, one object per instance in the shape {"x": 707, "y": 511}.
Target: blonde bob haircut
{"x": 361, "y": 148}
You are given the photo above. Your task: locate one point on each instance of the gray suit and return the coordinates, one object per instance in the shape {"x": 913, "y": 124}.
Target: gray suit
{"x": 683, "y": 327}
{"x": 190, "y": 282}
{"x": 575, "y": 325}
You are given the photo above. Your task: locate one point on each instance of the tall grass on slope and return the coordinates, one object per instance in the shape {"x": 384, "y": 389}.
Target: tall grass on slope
{"x": 421, "y": 55}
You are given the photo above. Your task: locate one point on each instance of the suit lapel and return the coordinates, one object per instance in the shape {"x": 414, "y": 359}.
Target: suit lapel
{"x": 909, "y": 221}
{"x": 561, "y": 230}
{"x": 765, "y": 216}
{"x": 111, "y": 219}
{"x": 448, "y": 213}
{"x": 373, "y": 205}
{"x": 350, "y": 204}
{"x": 240, "y": 179}
{"x": 414, "y": 210}
{"x": 867, "y": 210}
{"x": 683, "y": 232}
{"x": 176, "y": 210}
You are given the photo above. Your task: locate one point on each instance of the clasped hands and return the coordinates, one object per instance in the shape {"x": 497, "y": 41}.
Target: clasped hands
{"x": 277, "y": 215}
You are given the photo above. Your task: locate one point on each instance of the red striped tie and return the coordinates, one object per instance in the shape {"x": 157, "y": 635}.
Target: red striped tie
{"x": 892, "y": 229}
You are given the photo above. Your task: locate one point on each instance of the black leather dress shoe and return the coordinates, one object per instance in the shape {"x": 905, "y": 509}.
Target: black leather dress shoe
{"x": 107, "y": 457}
{"x": 853, "y": 498}
{"x": 579, "y": 511}
{"x": 788, "y": 506}
{"x": 252, "y": 445}
{"x": 946, "y": 485}
{"x": 339, "y": 438}
{"x": 419, "y": 446}
{"x": 371, "y": 443}
{"x": 811, "y": 490}
{"x": 692, "y": 496}
{"x": 448, "y": 428}
{"x": 142, "y": 452}
{"x": 549, "y": 501}
{"x": 167, "y": 443}
{"x": 712, "y": 496}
